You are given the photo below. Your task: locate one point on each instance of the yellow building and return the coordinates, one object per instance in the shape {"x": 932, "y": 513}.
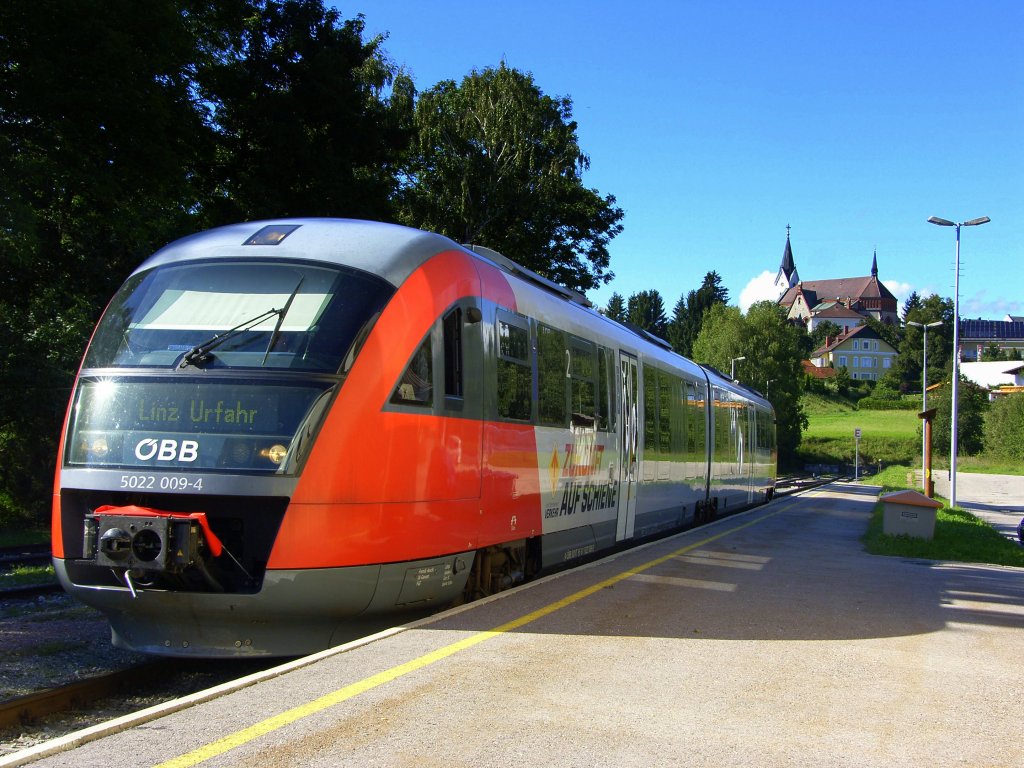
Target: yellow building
{"x": 862, "y": 352}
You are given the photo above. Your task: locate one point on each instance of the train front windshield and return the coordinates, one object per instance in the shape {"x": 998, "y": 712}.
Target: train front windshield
{"x": 236, "y": 315}
{"x": 219, "y": 365}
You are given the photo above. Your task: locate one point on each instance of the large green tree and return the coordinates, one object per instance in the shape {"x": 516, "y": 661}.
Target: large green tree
{"x": 905, "y": 374}
{"x": 124, "y": 125}
{"x": 772, "y": 349}
{"x": 311, "y": 118}
{"x": 101, "y": 136}
{"x": 496, "y": 162}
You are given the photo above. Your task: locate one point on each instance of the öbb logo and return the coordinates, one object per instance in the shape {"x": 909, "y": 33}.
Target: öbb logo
{"x": 166, "y": 450}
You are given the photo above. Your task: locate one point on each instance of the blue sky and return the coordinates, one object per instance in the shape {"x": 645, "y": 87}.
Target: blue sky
{"x": 716, "y": 123}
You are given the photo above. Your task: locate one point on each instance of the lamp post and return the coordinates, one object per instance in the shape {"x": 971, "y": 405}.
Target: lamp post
{"x": 735, "y": 360}
{"x": 768, "y": 384}
{"x": 924, "y": 397}
{"x": 956, "y": 345}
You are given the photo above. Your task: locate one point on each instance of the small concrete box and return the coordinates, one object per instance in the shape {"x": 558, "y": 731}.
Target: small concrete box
{"x": 910, "y": 513}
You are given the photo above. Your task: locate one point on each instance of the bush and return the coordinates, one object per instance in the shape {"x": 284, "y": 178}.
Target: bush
{"x": 1004, "y": 427}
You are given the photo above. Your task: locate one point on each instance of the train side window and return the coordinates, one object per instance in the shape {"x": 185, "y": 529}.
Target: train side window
{"x": 583, "y": 385}
{"x": 664, "y": 413}
{"x": 451, "y": 327}
{"x": 650, "y": 413}
{"x": 515, "y": 372}
{"x": 605, "y": 389}
{"x": 552, "y": 375}
{"x": 416, "y": 387}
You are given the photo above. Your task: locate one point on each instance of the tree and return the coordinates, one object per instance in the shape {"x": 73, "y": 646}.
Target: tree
{"x": 101, "y": 139}
{"x": 822, "y": 331}
{"x": 687, "y": 324}
{"x": 646, "y": 310}
{"x": 906, "y": 371}
{"x": 912, "y": 304}
{"x": 1004, "y": 427}
{"x": 616, "y": 308}
{"x": 125, "y": 125}
{"x": 772, "y": 348}
{"x": 972, "y": 404}
{"x": 497, "y": 162}
{"x": 721, "y": 338}
{"x": 303, "y": 126}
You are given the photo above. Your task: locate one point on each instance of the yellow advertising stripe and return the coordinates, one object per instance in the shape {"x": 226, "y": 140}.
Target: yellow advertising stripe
{"x": 271, "y": 724}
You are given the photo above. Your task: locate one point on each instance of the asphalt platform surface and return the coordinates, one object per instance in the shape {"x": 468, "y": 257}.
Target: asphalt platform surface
{"x": 767, "y": 639}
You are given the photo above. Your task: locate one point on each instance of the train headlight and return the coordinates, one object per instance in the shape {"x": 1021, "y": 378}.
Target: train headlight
{"x": 99, "y": 447}
{"x": 275, "y": 453}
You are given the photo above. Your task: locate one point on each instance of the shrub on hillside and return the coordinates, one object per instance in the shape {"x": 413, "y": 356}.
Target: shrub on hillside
{"x": 1004, "y": 427}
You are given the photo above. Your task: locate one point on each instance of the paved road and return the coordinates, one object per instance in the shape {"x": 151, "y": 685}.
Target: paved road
{"x": 768, "y": 639}
{"x": 998, "y": 499}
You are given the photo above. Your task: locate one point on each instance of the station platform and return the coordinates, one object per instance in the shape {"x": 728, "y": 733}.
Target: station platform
{"x": 769, "y": 638}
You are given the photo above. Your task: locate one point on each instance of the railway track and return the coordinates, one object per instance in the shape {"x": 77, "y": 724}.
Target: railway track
{"x": 26, "y": 555}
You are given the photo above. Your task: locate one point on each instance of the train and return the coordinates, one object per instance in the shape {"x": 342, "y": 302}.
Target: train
{"x": 284, "y": 427}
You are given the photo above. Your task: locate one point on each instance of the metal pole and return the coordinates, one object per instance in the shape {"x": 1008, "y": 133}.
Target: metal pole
{"x": 954, "y": 412}
{"x": 924, "y": 407}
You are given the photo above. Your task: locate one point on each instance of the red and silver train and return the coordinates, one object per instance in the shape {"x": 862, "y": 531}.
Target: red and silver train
{"x": 281, "y": 428}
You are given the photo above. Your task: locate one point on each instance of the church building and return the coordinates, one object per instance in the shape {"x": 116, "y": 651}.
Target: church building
{"x": 845, "y": 301}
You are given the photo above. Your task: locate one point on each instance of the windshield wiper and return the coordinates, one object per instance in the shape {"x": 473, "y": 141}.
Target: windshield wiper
{"x": 200, "y": 353}
{"x": 280, "y": 321}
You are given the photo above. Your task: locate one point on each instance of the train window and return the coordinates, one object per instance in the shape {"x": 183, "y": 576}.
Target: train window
{"x": 515, "y": 376}
{"x": 583, "y": 374}
{"x": 451, "y": 326}
{"x": 552, "y": 375}
{"x": 650, "y": 412}
{"x": 605, "y": 389}
{"x": 416, "y": 386}
{"x": 664, "y": 413}
{"x": 239, "y": 314}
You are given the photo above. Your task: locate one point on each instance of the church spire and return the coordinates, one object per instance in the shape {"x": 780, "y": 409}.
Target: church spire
{"x": 874, "y": 265}
{"x": 788, "y": 267}
{"x": 787, "y": 276}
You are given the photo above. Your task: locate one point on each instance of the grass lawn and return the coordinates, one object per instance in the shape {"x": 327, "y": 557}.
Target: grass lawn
{"x": 959, "y": 535}
{"x": 872, "y": 424}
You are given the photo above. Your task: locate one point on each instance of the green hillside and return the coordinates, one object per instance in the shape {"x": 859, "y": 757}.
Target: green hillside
{"x": 890, "y": 437}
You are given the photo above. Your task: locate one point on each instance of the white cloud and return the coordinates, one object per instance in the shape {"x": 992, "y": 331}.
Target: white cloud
{"x": 761, "y": 288}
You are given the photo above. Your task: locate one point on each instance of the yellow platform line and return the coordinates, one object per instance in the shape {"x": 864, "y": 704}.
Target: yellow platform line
{"x": 290, "y": 716}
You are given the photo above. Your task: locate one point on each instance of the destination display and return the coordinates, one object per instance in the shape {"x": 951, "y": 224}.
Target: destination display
{"x": 186, "y": 425}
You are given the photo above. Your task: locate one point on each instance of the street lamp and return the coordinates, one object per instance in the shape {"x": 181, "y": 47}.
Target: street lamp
{"x": 734, "y": 361}
{"x": 956, "y": 345}
{"x": 924, "y": 398}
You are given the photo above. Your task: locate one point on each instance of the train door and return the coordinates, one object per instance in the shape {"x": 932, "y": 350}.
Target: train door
{"x": 629, "y": 447}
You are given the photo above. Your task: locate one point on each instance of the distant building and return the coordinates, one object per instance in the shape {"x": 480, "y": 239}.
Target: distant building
{"x": 846, "y": 301}
{"x": 977, "y": 335}
{"x": 862, "y": 352}
{"x": 998, "y": 373}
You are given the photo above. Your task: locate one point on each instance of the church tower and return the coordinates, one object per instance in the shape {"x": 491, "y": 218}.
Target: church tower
{"x": 787, "y": 276}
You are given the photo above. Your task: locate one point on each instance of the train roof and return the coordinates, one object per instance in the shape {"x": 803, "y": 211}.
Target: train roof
{"x": 389, "y": 250}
